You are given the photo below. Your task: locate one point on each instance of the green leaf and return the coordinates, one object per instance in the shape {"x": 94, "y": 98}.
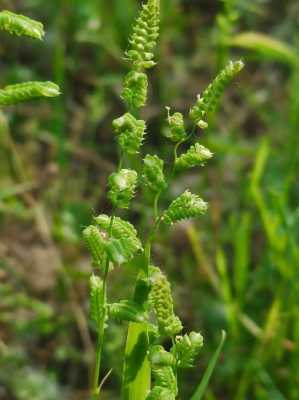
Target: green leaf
{"x": 200, "y": 391}
{"x": 266, "y": 47}
{"x": 137, "y": 370}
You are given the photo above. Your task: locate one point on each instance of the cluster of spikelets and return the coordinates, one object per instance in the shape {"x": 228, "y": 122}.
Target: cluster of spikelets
{"x": 195, "y": 156}
{"x": 176, "y": 131}
{"x": 120, "y": 245}
{"x": 12, "y": 94}
{"x": 162, "y": 303}
{"x": 152, "y": 173}
{"x": 165, "y": 364}
{"x": 186, "y": 206}
{"x": 144, "y": 36}
{"x": 112, "y": 240}
{"x": 130, "y": 132}
{"x": 207, "y": 102}
{"x": 140, "y": 55}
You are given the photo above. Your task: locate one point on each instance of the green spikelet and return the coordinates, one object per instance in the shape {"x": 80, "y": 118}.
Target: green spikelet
{"x": 211, "y": 96}
{"x": 20, "y": 25}
{"x": 144, "y": 36}
{"x": 120, "y": 229}
{"x": 164, "y": 377}
{"x": 122, "y": 185}
{"x": 186, "y": 349}
{"x": 21, "y": 92}
{"x": 96, "y": 243}
{"x": 131, "y": 132}
{"x": 153, "y": 176}
{"x": 135, "y": 89}
{"x": 127, "y": 310}
{"x": 195, "y": 156}
{"x": 159, "y": 357}
{"x": 160, "y": 393}
{"x": 96, "y": 299}
{"x": 187, "y": 205}
{"x": 162, "y": 303}
{"x": 165, "y": 382}
{"x": 176, "y": 130}
{"x": 120, "y": 251}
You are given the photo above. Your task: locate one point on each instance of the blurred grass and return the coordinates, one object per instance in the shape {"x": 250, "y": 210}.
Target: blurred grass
{"x": 236, "y": 269}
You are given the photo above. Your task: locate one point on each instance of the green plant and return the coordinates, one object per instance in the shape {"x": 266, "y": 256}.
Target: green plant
{"x": 113, "y": 241}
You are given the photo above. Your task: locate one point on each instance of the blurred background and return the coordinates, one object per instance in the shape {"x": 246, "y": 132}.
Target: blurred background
{"x": 237, "y": 268}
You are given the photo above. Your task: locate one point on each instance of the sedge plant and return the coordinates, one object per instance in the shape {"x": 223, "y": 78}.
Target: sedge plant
{"x": 150, "y": 369}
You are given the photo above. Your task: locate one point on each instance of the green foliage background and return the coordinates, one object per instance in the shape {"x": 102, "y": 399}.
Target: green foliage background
{"x": 235, "y": 269}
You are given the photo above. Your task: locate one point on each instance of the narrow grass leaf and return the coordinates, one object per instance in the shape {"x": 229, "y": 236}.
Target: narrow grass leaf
{"x": 200, "y": 391}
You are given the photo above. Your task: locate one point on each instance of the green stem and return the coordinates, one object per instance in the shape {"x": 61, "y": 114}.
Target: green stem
{"x": 156, "y": 202}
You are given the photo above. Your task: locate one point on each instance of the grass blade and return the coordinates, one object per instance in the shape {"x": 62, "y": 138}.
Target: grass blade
{"x": 200, "y": 391}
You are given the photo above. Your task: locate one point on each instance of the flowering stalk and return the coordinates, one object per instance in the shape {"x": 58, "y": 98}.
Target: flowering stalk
{"x": 149, "y": 371}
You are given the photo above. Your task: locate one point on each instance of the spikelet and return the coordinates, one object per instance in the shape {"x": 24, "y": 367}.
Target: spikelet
{"x": 195, "y": 156}
{"x": 186, "y": 349}
{"x": 144, "y": 36}
{"x": 21, "y": 92}
{"x": 153, "y": 176}
{"x": 187, "y": 205}
{"x": 164, "y": 377}
{"x": 20, "y": 25}
{"x": 122, "y": 185}
{"x": 161, "y": 300}
{"x": 120, "y": 251}
{"x": 131, "y": 132}
{"x": 159, "y": 357}
{"x": 120, "y": 229}
{"x": 96, "y": 243}
{"x": 165, "y": 382}
{"x": 160, "y": 393}
{"x": 135, "y": 89}
{"x": 127, "y": 311}
{"x": 176, "y": 127}
{"x": 211, "y": 96}
{"x": 96, "y": 299}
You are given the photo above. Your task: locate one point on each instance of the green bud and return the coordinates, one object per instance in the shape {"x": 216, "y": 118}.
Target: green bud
{"x": 131, "y": 133}
{"x": 153, "y": 176}
{"x": 160, "y": 393}
{"x": 122, "y": 185}
{"x": 120, "y": 229}
{"x": 159, "y": 357}
{"x": 135, "y": 89}
{"x": 96, "y": 299}
{"x": 195, "y": 156}
{"x": 13, "y": 94}
{"x": 211, "y": 96}
{"x": 144, "y": 36}
{"x": 162, "y": 303}
{"x": 187, "y": 205}
{"x": 120, "y": 250}
{"x": 96, "y": 243}
{"x": 20, "y": 25}
{"x": 176, "y": 131}
{"x": 186, "y": 349}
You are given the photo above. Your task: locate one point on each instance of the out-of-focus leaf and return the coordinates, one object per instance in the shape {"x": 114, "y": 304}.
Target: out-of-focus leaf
{"x": 266, "y": 47}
